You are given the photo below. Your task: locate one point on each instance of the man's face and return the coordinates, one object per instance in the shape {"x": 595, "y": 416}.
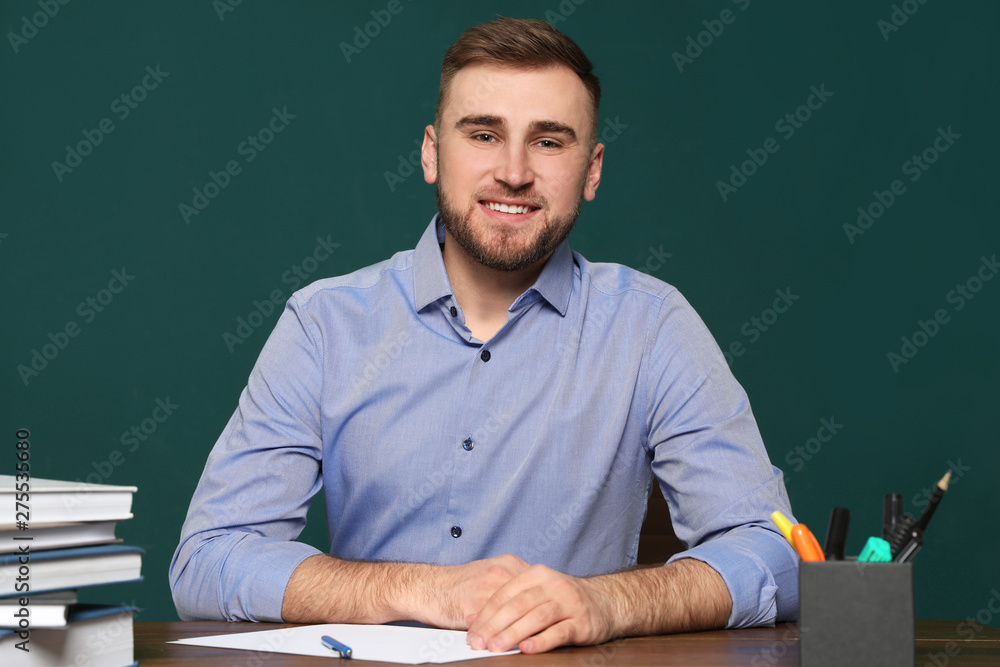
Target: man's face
{"x": 517, "y": 140}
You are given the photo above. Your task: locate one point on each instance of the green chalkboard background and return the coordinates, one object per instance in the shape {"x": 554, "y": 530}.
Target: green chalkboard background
{"x": 675, "y": 126}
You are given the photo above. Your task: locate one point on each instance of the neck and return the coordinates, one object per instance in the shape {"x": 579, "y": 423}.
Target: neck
{"x": 484, "y": 294}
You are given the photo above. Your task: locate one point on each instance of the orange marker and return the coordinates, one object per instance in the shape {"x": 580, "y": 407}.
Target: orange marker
{"x": 805, "y": 543}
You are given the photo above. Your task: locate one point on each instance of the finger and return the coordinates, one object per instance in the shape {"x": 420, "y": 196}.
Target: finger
{"x": 508, "y": 611}
{"x": 500, "y": 597}
{"x": 536, "y": 621}
{"x": 554, "y": 636}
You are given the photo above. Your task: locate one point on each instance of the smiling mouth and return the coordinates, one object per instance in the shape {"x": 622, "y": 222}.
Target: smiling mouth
{"x": 508, "y": 208}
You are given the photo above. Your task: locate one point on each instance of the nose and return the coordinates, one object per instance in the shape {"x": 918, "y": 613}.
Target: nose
{"x": 514, "y": 166}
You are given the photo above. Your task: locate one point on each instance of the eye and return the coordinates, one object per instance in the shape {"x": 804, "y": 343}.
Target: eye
{"x": 548, "y": 143}
{"x": 484, "y": 137}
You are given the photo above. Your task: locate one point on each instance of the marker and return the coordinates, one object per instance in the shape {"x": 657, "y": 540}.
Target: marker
{"x": 900, "y": 532}
{"x": 836, "y": 533}
{"x": 331, "y": 643}
{"x": 784, "y": 525}
{"x": 805, "y": 543}
{"x": 892, "y": 512}
{"x": 876, "y": 551}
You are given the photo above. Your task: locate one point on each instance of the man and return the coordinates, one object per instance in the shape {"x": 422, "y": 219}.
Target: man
{"x": 486, "y": 413}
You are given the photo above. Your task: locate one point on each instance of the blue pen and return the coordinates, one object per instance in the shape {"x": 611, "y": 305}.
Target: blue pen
{"x": 331, "y": 643}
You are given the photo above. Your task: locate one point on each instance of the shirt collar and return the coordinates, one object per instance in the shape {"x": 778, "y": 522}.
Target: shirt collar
{"x": 430, "y": 280}
{"x": 554, "y": 283}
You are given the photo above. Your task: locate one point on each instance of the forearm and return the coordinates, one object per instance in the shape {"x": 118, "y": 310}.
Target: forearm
{"x": 683, "y": 596}
{"x": 324, "y": 589}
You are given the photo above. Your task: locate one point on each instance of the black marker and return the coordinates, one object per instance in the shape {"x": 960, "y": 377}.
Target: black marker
{"x": 892, "y": 512}
{"x": 836, "y": 533}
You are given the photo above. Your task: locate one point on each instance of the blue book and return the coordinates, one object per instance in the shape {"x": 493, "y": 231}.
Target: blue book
{"x": 95, "y": 635}
{"x": 61, "y": 569}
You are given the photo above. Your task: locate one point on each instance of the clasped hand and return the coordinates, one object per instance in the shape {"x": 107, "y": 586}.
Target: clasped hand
{"x": 508, "y": 604}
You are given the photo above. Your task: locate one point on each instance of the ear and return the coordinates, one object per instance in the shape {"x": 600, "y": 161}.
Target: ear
{"x": 428, "y": 155}
{"x": 594, "y": 173}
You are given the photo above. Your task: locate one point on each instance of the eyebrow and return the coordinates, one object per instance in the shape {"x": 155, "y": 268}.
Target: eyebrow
{"x": 500, "y": 123}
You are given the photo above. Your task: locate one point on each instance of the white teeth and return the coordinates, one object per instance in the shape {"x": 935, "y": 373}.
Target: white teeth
{"x": 504, "y": 208}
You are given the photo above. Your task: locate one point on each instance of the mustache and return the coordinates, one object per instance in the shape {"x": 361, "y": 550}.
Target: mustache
{"x": 525, "y": 194}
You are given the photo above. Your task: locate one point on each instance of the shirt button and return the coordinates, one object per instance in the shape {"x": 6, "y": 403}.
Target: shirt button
{"x": 485, "y": 355}
{"x": 467, "y": 445}
{"x": 454, "y": 311}
{"x": 456, "y": 531}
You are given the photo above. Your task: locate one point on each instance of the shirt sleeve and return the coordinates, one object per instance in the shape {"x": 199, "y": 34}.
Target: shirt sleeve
{"x": 237, "y": 549}
{"x": 714, "y": 471}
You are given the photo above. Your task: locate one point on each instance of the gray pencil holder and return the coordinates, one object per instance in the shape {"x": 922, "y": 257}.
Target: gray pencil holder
{"x": 854, "y": 613}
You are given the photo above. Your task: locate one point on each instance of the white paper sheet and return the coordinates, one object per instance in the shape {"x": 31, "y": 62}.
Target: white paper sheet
{"x": 388, "y": 643}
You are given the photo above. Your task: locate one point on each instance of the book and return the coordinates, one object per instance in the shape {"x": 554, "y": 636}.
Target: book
{"x": 95, "y": 635}
{"x": 46, "y": 610}
{"x": 66, "y": 597}
{"x": 60, "y": 569}
{"x": 38, "y": 615}
{"x": 52, "y": 501}
{"x": 59, "y": 535}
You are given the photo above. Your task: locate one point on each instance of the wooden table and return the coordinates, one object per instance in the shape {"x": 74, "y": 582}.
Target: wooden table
{"x": 756, "y": 647}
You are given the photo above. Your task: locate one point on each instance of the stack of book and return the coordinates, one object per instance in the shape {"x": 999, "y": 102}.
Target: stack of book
{"x": 56, "y": 538}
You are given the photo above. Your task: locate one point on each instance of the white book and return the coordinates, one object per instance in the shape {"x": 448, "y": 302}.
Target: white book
{"x": 37, "y": 615}
{"x": 48, "y": 501}
{"x": 95, "y": 635}
{"x": 58, "y": 535}
{"x": 60, "y": 569}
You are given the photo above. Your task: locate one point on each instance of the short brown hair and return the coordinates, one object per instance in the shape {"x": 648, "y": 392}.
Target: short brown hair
{"x": 518, "y": 43}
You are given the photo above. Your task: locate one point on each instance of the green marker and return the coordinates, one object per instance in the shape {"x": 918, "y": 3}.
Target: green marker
{"x": 876, "y": 550}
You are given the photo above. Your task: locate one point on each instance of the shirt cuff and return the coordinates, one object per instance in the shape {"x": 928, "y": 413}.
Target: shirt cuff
{"x": 759, "y": 568}
{"x": 255, "y": 574}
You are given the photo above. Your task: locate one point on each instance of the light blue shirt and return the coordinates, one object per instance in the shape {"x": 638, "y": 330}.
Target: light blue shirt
{"x": 432, "y": 446}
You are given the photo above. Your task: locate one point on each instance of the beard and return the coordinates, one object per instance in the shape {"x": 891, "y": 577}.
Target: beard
{"x": 506, "y": 248}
